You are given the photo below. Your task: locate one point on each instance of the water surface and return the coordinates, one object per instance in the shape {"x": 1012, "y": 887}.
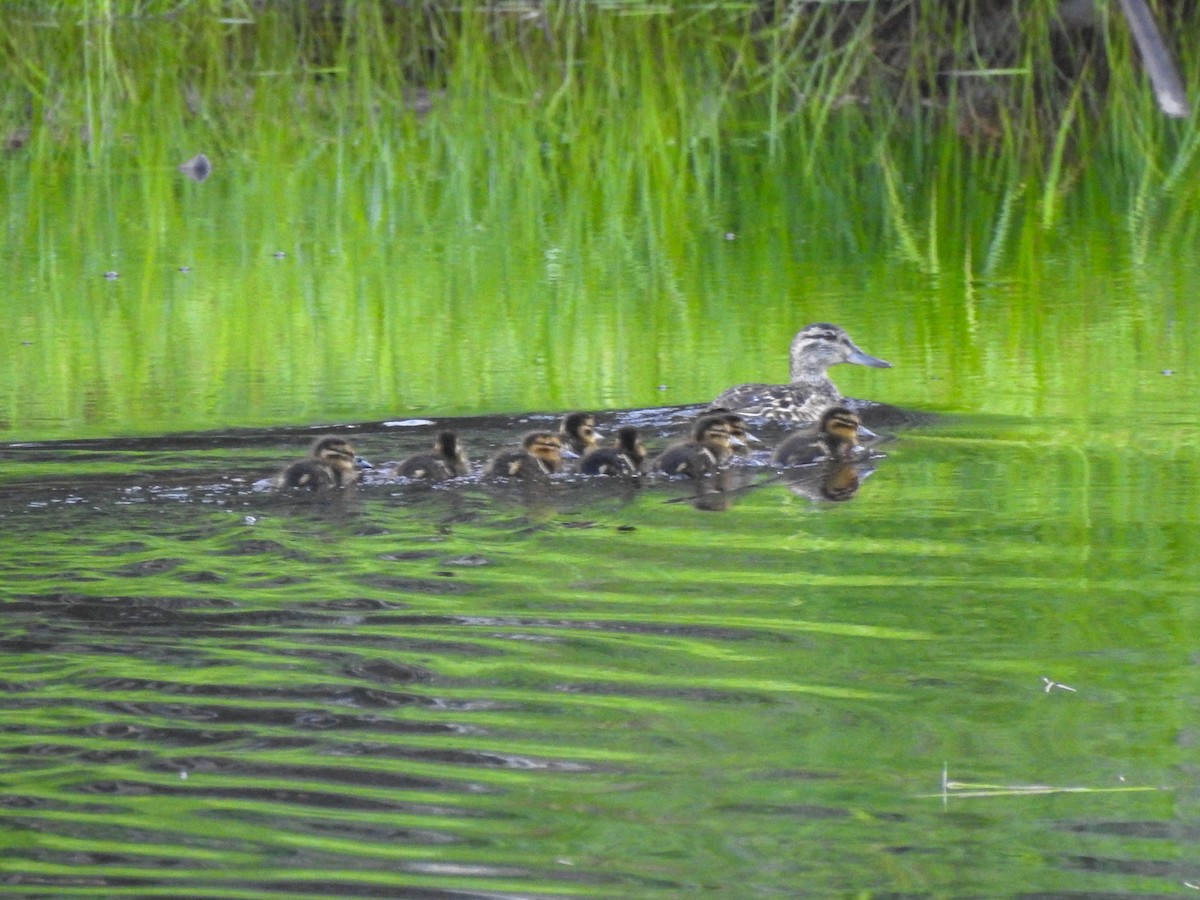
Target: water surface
{"x": 594, "y": 691}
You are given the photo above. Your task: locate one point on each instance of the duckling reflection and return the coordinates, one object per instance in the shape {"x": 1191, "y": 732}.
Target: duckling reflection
{"x": 332, "y": 462}
{"x": 578, "y": 432}
{"x": 448, "y": 460}
{"x": 836, "y": 437}
{"x": 623, "y": 459}
{"x": 709, "y": 448}
{"x": 814, "y": 349}
{"x": 833, "y": 480}
{"x": 540, "y": 455}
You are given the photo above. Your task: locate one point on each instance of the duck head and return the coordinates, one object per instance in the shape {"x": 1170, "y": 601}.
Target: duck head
{"x": 547, "y": 448}
{"x": 579, "y": 432}
{"x": 817, "y": 347}
{"x": 841, "y": 429}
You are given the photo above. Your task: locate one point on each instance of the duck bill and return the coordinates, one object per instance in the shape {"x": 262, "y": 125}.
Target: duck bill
{"x": 866, "y": 359}
{"x": 866, "y": 434}
{"x": 362, "y": 463}
{"x": 568, "y": 453}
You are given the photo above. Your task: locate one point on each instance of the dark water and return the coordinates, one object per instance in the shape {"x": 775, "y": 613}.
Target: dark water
{"x": 592, "y": 690}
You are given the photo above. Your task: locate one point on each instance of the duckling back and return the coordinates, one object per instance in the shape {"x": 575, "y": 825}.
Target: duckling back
{"x": 447, "y": 461}
{"x": 309, "y": 475}
{"x": 624, "y": 459}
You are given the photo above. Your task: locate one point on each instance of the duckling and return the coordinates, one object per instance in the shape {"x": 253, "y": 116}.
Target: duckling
{"x": 835, "y": 439}
{"x": 332, "y": 462}
{"x": 710, "y": 447}
{"x": 814, "y": 349}
{"x": 446, "y": 461}
{"x": 541, "y": 453}
{"x": 578, "y": 431}
{"x": 624, "y": 458}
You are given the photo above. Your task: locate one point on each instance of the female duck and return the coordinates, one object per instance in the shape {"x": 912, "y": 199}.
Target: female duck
{"x": 710, "y": 447}
{"x": 446, "y": 461}
{"x": 814, "y": 349}
{"x": 625, "y": 458}
{"x": 578, "y": 431}
{"x": 835, "y": 440}
{"x": 331, "y": 463}
{"x": 541, "y": 454}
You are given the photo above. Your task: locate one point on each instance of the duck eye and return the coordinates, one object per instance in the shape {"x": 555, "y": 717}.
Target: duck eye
{"x": 829, "y": 336}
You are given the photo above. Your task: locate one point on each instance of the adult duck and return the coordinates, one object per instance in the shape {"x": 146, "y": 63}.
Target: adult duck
{"x": 809, "y": 392}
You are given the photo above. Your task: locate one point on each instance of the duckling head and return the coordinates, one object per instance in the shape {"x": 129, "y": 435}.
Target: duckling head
{"x": 817, "y": 347}
{"x": 579, "y": 431}
{"x": 629, "y": 444}
{"x": 739, "y": 434}
{"x": 547, "y": 448}
{"x": 447, "y": 447}
{"x": 340, "y": 457}
{"x": 841, "y": 429}
{"x": 713, "y": 430}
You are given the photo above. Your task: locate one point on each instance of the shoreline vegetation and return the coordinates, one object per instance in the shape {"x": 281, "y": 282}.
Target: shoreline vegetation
{"x": 1008, "y": 109}
{"x": 440, "y": 174}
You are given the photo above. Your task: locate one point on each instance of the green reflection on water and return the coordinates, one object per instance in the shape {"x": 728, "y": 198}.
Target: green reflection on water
{"x": 451, "y": 688}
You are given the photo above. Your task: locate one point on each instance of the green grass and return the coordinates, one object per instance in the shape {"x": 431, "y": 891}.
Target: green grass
{"x": 492, "y": 207}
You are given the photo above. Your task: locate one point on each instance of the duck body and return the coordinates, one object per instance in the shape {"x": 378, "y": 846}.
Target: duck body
{"x": 331, "y": 463}
{"x": 623, "y": 460}
{"x": 540, "y": 455}
{"x": 445, "y": 462}
{"x": 835, "y": 439}
{"x": 809, "y": 392}
{"x": 710, "y": 447}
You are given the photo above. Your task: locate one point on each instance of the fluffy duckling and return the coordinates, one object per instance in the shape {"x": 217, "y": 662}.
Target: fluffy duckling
{"x": 446, "y": 461}
{"x": 331, "y": 463}
{"x": 624, "y": 458}
{"x": 710, "y": 447}
{"x": 578, "y": 431}
{"x": 836, "y": 438}
{"x": 541, "y": 454}
{"x": 814, "y": 349}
